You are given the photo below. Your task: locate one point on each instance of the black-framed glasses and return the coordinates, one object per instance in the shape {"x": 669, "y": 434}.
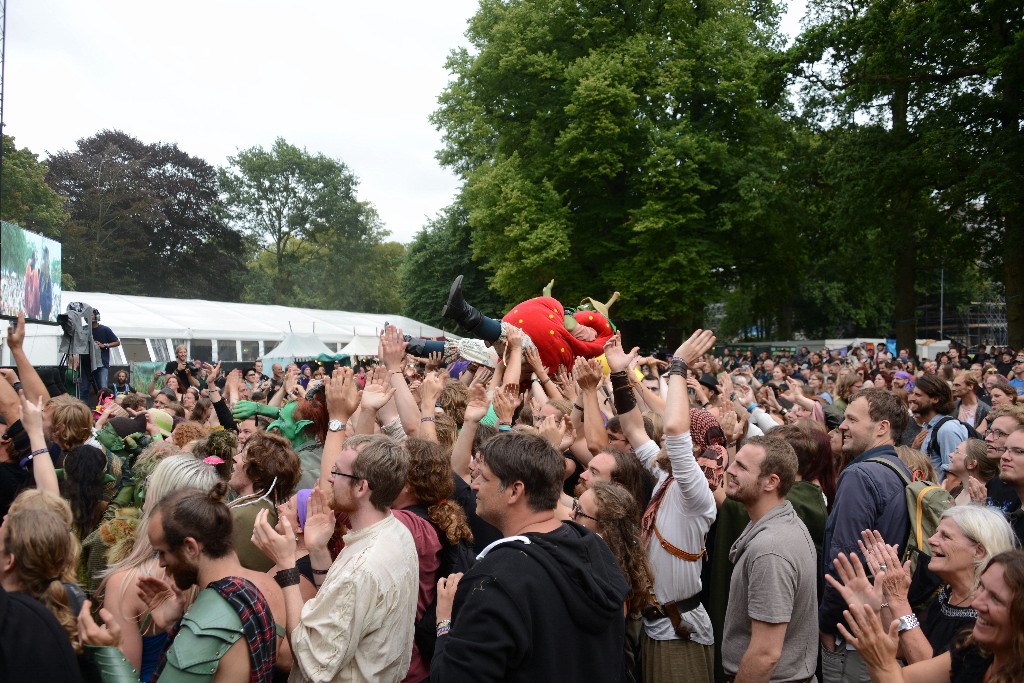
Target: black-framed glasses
{"x": 577, "y": 512}
{"x": 336, "y": 473}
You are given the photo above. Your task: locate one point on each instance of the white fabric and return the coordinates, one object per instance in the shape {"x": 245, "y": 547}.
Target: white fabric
{"x": 684, "y": 517}
{"x": 359, "y": 626}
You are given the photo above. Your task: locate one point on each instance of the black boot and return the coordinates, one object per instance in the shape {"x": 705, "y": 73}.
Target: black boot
{"x": 421, "y": 348}
{"x": 458, "y": 310}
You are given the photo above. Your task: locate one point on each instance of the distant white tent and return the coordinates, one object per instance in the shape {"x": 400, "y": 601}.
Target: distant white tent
{"x": 296, "y": 348}
{"x": 150, "y": 327}
{"x": 361, "y": 345}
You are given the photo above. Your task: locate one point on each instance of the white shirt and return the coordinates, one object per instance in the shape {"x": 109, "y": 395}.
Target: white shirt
{"x": 359, "y": 626}
{"x": 684, "y": 518}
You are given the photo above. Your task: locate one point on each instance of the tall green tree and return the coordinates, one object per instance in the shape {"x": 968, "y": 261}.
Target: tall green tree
{"x": 915, "y": 99}
{"x": 302, "y": 210}
{"x": 439, "y": 253}
{"x": 145, "y": 218}
{"x": 25, "y": 198}
{"x": 604, "y": 144}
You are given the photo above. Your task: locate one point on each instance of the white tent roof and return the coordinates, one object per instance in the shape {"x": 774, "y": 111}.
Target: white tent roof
{"x": 362, "y": 345}
{"x": 148, "y": 317}
{"x": 297, "y": 347}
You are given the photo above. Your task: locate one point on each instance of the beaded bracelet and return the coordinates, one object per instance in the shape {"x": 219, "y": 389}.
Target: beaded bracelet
{"x": 426, "y": 419}
{"x": 443, "y": 627}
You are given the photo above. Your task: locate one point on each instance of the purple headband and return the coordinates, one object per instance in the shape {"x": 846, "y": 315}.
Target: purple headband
{"x": 301, "y": 503}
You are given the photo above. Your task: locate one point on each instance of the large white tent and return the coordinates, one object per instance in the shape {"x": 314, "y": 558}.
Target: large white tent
{"x": 150, "y": 327}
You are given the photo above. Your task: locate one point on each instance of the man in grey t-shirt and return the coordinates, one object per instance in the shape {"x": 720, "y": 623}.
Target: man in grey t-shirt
{"x": 771, "y": 628}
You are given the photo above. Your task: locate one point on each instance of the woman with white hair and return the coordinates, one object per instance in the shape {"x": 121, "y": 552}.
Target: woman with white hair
{"x": 967, "y": 537}
{"x": 142, "y": 641}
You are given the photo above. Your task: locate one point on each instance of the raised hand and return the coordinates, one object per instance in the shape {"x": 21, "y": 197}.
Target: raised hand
{"x": 277, "y": 544}
{"x": 855, "y": 587}
{"x": 532, "y": 356}
{"x": 320, "y": 521}
{"x": 504, "y": 406}
{"x": 587, "y": 373}
{"x": 695, "y": 346}
{"x": 392, "y": 348}
{"x": 433, "y": 384}
{"x": 376, "y": 394}
{"x": 478, "y": 403}
{"x": 553, "y": 429}
{"x": 618, "y": 359}
{"x": 341, "y": 392}
{"x": 874, "y": 643}
{"x": 16, "y": 334}
{"x": 433, "y": 360}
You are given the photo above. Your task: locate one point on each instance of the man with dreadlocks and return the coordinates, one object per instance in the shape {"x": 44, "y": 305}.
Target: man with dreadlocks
{"x": 678, "y": 642}
{"x": 228, "y": 633}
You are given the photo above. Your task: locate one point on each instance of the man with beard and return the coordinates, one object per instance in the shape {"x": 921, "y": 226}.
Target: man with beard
{"x": 678, "y": 640}
{"x": 228, "y": 632}
{"x": 931, "y": 402}
{"x": 870, "y": 495}
{"x": 359, "y": 626}
{"x": 968, "y": 407}
{"x": 618, "y": 467}
{"x": 769, "y": 624}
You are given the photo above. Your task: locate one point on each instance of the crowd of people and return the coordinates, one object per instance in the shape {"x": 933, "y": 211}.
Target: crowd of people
{"x": 534, "y": 502}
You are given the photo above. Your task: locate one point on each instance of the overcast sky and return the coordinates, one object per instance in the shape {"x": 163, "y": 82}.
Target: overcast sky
{"x": 354, "y": 80}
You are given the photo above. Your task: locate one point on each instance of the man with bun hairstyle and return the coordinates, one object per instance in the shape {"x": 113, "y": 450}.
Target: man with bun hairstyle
{"x": 227, "y": 633}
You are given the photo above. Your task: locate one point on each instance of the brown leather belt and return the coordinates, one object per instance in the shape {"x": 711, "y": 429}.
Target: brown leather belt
{"x": 674, "y": 611}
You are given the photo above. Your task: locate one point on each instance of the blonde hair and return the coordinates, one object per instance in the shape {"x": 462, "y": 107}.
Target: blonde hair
{"x": 171, "y": 474}
{"x": 919, "y": 464}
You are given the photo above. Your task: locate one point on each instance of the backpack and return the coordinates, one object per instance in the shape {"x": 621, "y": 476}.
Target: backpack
{"x": 925, "y": 504}
{"x": 933, "y": 443}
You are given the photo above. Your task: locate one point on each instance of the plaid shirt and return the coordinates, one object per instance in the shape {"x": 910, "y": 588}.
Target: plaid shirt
{"x": 257, "y": 625}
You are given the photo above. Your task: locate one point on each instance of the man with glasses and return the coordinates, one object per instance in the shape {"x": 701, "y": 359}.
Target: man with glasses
{"x": 359, "y": 626}
{"x": 1003, "y": 421}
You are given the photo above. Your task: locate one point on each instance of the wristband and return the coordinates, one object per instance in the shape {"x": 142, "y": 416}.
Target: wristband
{"x": 287, "y": 577}
{"x": 17, "y": 387}
{"x": 545, "y": 381}
{"x": 622, "y": 393}
{"x": 678, "y": 367}
{"x": 443, "y": 627}
{"x": 320, "y": 572}
{"x": 426, "y": 419}
{"x": 578, "y": 407}
{"x": 31, "y": 456}
{"x": 750, "y": 408}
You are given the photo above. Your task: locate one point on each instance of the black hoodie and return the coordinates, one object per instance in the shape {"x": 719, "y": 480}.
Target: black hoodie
{"x": 538, "y": 607}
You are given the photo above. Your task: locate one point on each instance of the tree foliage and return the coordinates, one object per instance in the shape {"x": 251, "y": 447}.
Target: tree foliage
{"x": 605, "y": 144}
{"x": 25, "y": 198}
{"x": 144, "y": 219}
{"x": 314, "y": 242}
{"x": 439, "y": 253}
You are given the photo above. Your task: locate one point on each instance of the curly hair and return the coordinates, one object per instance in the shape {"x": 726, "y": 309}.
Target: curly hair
{"x": 453, "y": 400}
{"x": 617, "y": 512}
{"x": 42, "y": 549}
{"x": 83, "y": 483}
{"x": 447, "y": 431}
{"x": 222, "y": 443}
{"x": 314, "y": 410}
{"x": 269, "y": 457}
{"x": 70, "y": 421}
{"x": 187, "y": 432}
{"x": 430, "y": 482}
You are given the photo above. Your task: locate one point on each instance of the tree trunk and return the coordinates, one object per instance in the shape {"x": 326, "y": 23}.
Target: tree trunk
{"x": 905, "y": 270}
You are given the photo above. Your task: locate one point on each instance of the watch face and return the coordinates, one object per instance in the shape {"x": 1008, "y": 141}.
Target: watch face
{"x": 335, "y": 425}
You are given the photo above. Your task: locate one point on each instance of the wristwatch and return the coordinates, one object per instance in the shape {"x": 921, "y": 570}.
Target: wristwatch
{"x": 336, "y": 426}
{"x": 908, "y": 622}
